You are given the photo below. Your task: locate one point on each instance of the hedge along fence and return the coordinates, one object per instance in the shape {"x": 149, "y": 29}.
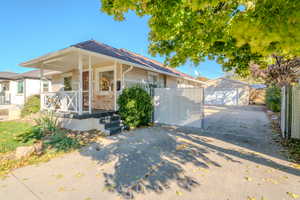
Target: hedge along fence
{"x": 135, "y": 106}
{"x": 273, "y": 98}
{"x": 31, "y": 106}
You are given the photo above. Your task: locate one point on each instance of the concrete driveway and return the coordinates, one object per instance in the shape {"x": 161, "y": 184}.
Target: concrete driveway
{"x": 233, "y": 158}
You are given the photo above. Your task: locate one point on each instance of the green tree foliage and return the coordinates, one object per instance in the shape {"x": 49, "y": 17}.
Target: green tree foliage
{"x": 273, "y": 98}
{"x": 31, "y": 106}
{"x": 135, "y": 107}
{"x": 235, "y": 32}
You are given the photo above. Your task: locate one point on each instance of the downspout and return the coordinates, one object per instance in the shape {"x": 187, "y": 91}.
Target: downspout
{"x": 124, "y": 73}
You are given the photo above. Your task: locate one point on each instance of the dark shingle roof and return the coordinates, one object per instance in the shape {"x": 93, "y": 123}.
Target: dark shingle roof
{"x": 34, "y": 74}
{"x": 123, "y": 54}
{"x": 7, "y": 75}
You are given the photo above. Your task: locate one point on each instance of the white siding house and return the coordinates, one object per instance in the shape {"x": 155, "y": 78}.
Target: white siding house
{"x": 16, "y": 88}
{"x": 90, "y": 75}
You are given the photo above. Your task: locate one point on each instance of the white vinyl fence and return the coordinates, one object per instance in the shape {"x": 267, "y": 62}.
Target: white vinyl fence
{"x": 283, "y": 111}
{"x": 295, "y": 130}
{"x": 179, "y": 106}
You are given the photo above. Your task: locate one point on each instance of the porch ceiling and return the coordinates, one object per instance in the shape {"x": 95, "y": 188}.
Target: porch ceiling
{"x": 63, "y": 61}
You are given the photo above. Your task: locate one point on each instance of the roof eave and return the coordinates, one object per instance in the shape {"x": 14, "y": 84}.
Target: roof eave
{"x": 48, "y": 56}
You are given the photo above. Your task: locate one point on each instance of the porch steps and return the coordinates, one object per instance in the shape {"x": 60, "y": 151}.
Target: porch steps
{"x": 112, "y": 123}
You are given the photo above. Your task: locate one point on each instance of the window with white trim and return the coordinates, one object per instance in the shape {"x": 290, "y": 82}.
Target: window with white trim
{"x": 67, "y": 83}
{"x": 105, "y": 80}
{"x": 45, "y": 86}
{"x": 20, "y": 87}
{"x": 153, "y": 78}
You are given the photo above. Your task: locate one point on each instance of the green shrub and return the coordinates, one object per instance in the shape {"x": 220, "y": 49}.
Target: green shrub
{"x": 31, "y": 106}
{"x": 48, "y": 122}
{"x": 34, "y": 134}
{"x": 273, "y": 98}
{"x": 135, "y": 107}
{"x": 61, "y": 142}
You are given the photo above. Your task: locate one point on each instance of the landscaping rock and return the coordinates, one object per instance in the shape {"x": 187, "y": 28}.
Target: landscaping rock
{"x": 38, "y": 148}
{"x": 22, "y": 152}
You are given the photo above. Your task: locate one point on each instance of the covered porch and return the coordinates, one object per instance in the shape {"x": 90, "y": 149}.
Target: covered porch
{"x": 5, "y": 95}
{"x": 83, "y": 83}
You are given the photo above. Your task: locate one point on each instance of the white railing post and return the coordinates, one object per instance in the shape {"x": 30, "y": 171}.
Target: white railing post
{"x": 115, "y": 86}
{"x": 90, "y": 85}
{"x": 80, "y": 83}
{"x": 41, "y": 87}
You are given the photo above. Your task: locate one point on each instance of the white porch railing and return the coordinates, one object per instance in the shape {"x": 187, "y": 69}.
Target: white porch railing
{"x": 5, "y": 98}
{"x": 66, "y": 101}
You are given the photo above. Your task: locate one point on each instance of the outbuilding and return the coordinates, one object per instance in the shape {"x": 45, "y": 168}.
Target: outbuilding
{"x": 224, "y": 91}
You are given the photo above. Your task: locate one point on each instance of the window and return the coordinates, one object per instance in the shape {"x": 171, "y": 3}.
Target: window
{"x": 20, "y": 87}
{"x": 153, "y": 78}
{"x": 105, "y": 81}
{"x": 68, "y": 83}
{"x": 45, "y": 86}
{"x": 5, "y": 86}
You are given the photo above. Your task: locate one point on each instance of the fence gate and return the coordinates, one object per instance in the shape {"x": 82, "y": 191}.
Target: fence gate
{"x": 179, "y": 106}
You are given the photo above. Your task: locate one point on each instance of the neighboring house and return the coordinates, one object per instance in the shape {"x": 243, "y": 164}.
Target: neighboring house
{"x": 91, "y": 75}
{"x": 16, "y": 88}
{"x": 224, "y": 91}
{"x": 290, "y": 111}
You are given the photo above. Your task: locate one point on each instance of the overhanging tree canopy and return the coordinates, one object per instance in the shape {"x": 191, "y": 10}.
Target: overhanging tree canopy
{"x": 235, "y": 32}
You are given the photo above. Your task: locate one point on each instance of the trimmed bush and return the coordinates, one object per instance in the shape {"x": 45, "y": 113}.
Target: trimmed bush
{"x": 273, "y": 98}
{"x": 31, "y": 106}
{"x": 135, "y": 107}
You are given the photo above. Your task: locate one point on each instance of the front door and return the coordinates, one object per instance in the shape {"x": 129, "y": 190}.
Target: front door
{"x": 85, "y": 89}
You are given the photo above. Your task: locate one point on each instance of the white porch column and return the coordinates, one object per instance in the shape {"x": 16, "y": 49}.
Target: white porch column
{"x": 90, "y": 84}
{"x": 41, "y": 87}
{"x": 115, "y": 86}
{"x": 80, "y": 99}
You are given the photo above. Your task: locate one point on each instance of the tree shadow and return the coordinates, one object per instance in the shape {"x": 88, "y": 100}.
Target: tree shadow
{"x": 149, "y": 159}
{"x": 153, "y": 159}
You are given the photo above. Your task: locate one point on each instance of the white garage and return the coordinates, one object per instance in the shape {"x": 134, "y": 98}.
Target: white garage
{"x": 223, "y": 91}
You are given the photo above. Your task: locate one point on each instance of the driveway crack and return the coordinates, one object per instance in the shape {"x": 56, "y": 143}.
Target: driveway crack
{"x": 26, "y": 186}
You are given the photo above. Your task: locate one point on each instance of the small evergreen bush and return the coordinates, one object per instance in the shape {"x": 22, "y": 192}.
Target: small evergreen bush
{"x": 273, "y": 98}
{"x": 31, "y": 106}
{"x": 135, "y": 107}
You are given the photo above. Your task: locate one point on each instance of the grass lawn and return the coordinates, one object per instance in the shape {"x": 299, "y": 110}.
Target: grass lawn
{"x": 8, "y": 132}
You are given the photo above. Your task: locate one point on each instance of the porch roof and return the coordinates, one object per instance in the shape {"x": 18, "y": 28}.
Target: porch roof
{"x": 110, "y": 52}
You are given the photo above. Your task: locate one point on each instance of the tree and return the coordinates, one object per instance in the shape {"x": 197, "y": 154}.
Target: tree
{"x": 282, "y": 73}
{"x": 235, "y": 32}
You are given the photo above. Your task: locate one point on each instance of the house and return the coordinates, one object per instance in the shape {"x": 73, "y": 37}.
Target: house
{"x": 290, "y": 111}
{"x": 90, "y": 76}
{"x": 15, "y": 88}
{"x": 224, "y": 91}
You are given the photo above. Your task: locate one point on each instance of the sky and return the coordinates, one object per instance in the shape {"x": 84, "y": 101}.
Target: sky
{"x": 32, "y": 28}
